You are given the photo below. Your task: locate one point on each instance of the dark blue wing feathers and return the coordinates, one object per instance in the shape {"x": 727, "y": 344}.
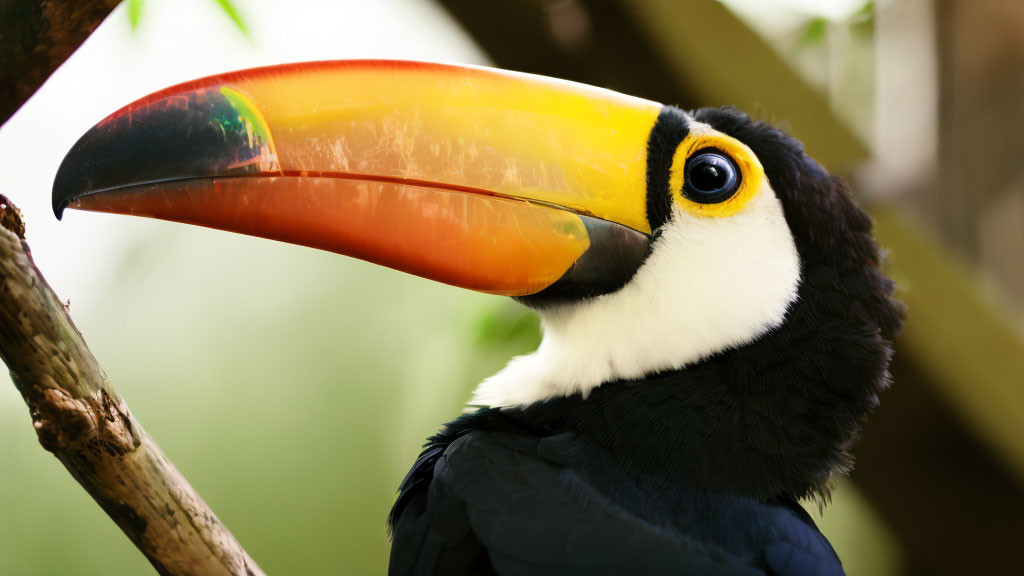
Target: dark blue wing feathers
{"x": 492, "y": 502}
{"x": 799, "y": 548}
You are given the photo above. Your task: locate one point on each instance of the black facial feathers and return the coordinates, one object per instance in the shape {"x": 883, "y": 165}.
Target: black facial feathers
{"x": 669, "y": 131}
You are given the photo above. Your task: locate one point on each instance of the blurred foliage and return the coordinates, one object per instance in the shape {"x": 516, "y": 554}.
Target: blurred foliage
{"x": 135, "y": 8}
{"x": 864, "y": 19}
{"x": 815, "y": 31}
{"x": 861, "y": 22}
{"x": 831, "y": 46}
{"x": 503, "y": 326}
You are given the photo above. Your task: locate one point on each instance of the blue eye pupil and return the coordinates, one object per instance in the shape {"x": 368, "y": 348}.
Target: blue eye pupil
{"x": 710, "y": 177}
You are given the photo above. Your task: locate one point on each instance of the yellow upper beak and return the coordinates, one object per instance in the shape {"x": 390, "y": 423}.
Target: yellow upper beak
{"x": 486, "y": 179}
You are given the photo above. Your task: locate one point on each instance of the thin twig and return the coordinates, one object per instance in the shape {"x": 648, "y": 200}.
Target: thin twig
{"x": 81, "y": 419}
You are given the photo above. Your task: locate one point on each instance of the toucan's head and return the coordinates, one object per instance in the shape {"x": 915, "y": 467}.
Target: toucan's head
{"x": 648, "y": 238}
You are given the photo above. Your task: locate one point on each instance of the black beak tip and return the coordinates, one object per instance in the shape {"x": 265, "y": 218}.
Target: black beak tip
{"x": 178, "y": 137}
{"x": 59, "y": 204}
{"x": 67, "y": 186}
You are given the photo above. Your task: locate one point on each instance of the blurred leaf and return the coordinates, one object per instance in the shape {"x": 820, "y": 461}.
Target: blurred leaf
{"x": 863, "y": 21}
{"x": 867, "y": 11}
{"x": 229, "y": 8}
{"x": 135, "y": 12}
{"x": 815, "y": 32}
{"x": 508, "y": 323}
{"x": 864, "y": 28}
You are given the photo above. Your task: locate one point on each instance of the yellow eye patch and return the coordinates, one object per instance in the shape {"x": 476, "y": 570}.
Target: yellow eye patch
{"x": 750, "y": 172}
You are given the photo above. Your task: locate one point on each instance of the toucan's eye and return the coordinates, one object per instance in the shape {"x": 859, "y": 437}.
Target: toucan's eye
{"x": 713, "y": 175}
{"x": 710, "y": 177}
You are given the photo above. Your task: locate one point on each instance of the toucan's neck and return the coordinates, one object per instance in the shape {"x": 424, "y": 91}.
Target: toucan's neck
{"x": 774, "y": 417}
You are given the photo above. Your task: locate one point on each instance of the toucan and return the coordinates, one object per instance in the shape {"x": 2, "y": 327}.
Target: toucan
{"x": 717, "y": 322}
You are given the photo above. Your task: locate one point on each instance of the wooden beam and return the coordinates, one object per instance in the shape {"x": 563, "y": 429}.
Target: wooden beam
{"x": 597, "y": 43}
{"x": 959, "y": 338}
{"x": 951, "y": 499}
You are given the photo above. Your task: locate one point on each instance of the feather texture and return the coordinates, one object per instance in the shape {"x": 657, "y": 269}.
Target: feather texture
{"x": 506, "y": 501}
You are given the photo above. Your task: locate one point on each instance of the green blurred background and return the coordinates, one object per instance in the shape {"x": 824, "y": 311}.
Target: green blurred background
{"x": 293, "y": 388}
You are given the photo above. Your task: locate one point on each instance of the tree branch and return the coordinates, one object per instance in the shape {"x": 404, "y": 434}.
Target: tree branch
{"x": 81, "y": 419}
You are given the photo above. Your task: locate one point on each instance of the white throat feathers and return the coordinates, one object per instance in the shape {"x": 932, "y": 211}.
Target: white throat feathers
{"x": 710, "y": 284}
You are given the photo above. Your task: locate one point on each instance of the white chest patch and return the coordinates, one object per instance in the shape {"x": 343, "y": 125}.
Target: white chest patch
{"x": 710, "y": 284}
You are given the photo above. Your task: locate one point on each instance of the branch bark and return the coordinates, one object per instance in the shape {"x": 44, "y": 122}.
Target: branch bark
{"x": 81, "y": 419}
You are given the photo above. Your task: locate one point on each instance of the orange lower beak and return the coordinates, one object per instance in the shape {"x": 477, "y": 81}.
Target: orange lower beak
{"x": 498, "y": 182}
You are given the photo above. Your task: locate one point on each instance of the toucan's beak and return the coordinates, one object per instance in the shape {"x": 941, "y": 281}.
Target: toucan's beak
{"x": 499, "y": 182}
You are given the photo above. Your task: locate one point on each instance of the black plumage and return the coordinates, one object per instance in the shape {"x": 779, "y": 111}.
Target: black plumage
{"x": 693, "y": 471}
